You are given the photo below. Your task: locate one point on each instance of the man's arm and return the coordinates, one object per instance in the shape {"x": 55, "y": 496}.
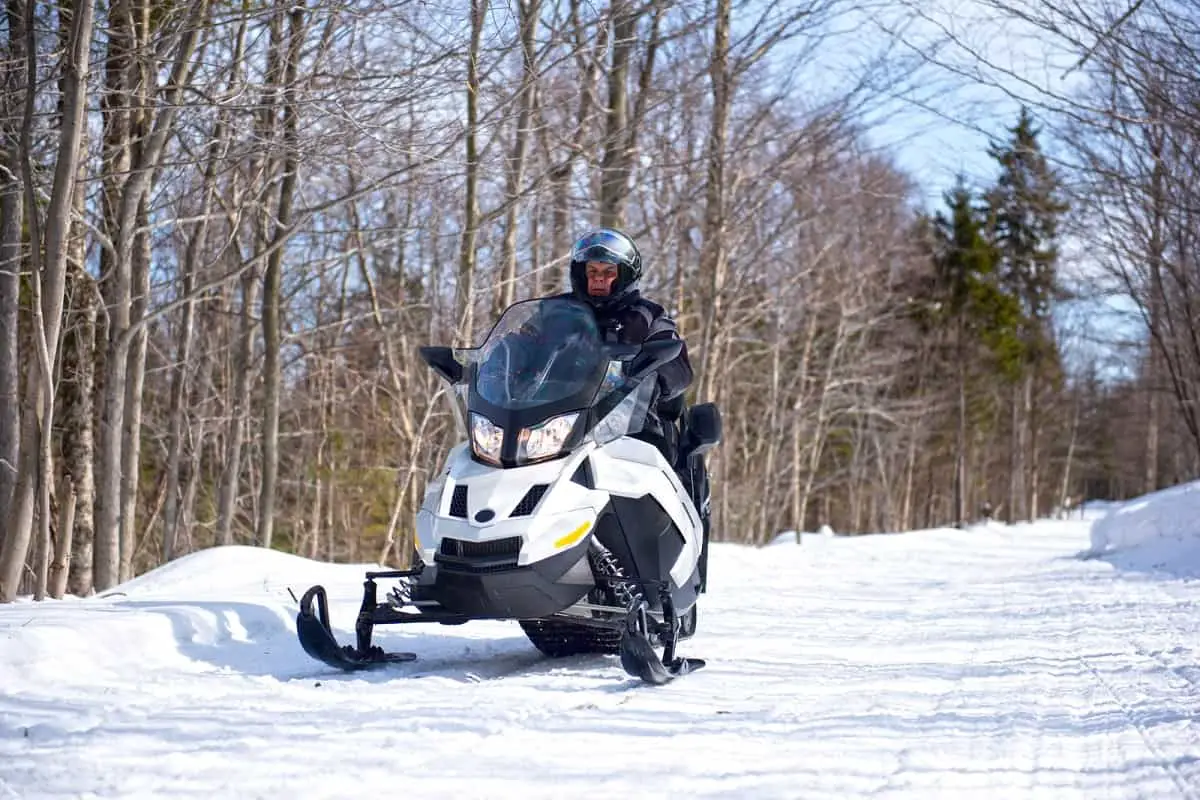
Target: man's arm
{"x": 676, "y": 375}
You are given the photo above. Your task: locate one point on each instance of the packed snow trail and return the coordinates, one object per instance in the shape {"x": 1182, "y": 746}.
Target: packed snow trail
{"x": 932, "y": 664}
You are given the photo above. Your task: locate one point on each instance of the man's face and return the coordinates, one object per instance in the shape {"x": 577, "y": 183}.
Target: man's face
{"x": 600, "y": 277}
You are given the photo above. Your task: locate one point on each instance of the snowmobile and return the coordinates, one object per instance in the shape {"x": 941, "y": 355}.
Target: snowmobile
{"x": 550, "y": 510}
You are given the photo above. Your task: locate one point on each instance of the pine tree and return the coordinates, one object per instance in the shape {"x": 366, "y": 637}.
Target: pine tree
{"x": 984, "y": 319}
{"x": 1023, "y": 212}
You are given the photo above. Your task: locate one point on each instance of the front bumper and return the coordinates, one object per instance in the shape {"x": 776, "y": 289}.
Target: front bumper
{"x": 496, "y": 587}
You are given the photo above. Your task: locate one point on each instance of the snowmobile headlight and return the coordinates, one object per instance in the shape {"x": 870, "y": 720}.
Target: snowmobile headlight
{"x": 547, "y": 439}
{"x": 486, "y": 438}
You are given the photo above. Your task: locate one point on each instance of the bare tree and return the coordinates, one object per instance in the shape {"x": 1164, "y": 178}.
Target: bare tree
{"x": 49, "y": 280}
{"x": 11, "y": 216}
{"x": 528, "y": 16}
{"x": 125, "y": 206}
{"x": 273, "y": 277}
{"x": 465, "y": 303}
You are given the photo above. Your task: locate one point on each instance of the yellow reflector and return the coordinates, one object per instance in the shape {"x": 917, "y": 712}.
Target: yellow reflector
{"x": 573, "y": 537}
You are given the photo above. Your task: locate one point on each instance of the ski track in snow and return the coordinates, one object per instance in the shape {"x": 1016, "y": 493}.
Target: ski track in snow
{"x": 932, "y": 664}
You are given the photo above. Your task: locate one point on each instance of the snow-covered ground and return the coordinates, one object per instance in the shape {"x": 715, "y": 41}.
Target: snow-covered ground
{"x": 1157, "y": 533}
{"x": 1013, "y": 662}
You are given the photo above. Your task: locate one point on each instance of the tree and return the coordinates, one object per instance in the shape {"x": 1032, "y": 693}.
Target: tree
{"x": 1024, "y": 208}
{"x": 49, "y": 262}
{"x": 11, "y": 216}
{"x": 982, "y": 319}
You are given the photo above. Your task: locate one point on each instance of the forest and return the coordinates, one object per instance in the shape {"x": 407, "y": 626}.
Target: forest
{"x": 226, "y": 228}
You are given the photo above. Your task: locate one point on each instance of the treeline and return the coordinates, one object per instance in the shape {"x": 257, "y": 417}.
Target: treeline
{"x": 1125, "y": 140}
{"x": 226, "y": 229}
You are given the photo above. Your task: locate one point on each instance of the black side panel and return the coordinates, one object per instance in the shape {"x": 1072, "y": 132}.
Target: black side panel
{"x": 643, "y": 537}
{"x": 583, "y": 475}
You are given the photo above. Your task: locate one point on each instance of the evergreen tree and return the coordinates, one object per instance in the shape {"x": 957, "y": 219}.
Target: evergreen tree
{"x": 1023, "y": 212}
{"x": 984, "y": 319}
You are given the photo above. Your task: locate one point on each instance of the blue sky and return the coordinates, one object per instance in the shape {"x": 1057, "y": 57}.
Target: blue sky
{"x": 973, "y": 69}
{"x": 938, "y": 126}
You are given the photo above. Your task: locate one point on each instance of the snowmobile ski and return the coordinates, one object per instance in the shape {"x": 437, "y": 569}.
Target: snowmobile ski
{"x": 639, "y": 660}
{"x": 638, "y": 657}
{"x": 316, "y": 637}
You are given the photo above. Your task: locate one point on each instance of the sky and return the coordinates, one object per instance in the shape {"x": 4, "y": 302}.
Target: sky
{"x": 969, "y": 70}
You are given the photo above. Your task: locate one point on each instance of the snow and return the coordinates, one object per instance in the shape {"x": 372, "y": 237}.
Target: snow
{"x": 789, "y": 537}
{"x": 1158, "y": 532}
{"x": 990, "y": 662}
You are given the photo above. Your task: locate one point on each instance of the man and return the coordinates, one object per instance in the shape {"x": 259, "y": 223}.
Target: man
{"x": 605, "y": 270}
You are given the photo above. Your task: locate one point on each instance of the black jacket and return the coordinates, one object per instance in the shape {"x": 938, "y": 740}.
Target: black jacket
{"x": 638, "y": 320}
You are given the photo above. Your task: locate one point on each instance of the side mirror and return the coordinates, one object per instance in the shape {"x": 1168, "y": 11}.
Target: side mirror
{"x": 652, "y": 356}
{"x": 702, "y": 429}
{"x": 443, "y": 362}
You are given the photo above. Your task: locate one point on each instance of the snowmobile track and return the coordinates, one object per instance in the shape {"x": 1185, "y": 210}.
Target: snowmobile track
{"x": 1185, "y": 785}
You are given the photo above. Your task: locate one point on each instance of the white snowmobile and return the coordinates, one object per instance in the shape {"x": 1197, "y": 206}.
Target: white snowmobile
{"x": 551, "y": 512}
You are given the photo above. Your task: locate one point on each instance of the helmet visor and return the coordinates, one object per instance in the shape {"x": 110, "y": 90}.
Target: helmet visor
{"x": 606, "y": 247}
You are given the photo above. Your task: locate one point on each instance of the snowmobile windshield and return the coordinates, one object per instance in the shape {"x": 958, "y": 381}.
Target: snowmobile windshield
{"x": 539, "y": 353}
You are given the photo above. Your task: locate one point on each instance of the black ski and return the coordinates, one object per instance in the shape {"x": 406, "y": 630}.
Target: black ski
{"x": 638, "y": 656}
{"x": 316, "y": 637}
{"x": 639, "y": 660}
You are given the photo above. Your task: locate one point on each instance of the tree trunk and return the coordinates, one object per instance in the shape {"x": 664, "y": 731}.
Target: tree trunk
{"x": 116, "y": 280}
{"x": 612, "y": 193}
{"x": 124, "y": 197}
{"x": 50, "y": 283}
{"x": 960, "y": 439}
{"x": 1064, "y": 497}
{"x": 231, "y": 467}
{"x": 131, "y": 424}
{"x": 767, "y": 508}
{"x": 1032, "y": 413}
{"x": 465, "y": 300}
{"x": 78, "y": 412}
{"x": 272, "y": 282}
{"x": 713, "y": 256}
{"x": 179, "y": 379}
{"x": 63, "y": 547}
{"x": 529, "y": 13}
{"x": 131, "y": 433}
{"x": 1016, "y": 452}
{"x": 560, "y": 175}
{"x": 11, "y": 217}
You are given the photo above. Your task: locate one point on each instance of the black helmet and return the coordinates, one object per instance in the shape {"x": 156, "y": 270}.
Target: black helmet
{"x": 611, "y": 247}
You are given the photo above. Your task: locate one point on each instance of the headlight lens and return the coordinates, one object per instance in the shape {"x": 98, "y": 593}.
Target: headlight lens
{"x": 547, "y": 439}
{"x": 486, "y": 438}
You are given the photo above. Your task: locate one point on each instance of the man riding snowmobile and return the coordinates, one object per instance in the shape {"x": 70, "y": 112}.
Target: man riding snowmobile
{"x": 605, "y": 269}
{"x": 574, "y": 500}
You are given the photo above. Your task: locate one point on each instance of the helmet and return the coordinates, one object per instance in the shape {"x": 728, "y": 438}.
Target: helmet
{"x": 611, "y": 247}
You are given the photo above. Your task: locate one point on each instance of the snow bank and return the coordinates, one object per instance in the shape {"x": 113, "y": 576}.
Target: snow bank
{"x": 237, "y": 571}
{"x": 1158, "y": 532}
{"x": 224, "y": 608}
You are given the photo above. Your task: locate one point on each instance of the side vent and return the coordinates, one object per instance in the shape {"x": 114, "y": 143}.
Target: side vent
{"x": 458, "y": 502}
{"x": 583, "y": 475}
{"x": 530, "y": 500}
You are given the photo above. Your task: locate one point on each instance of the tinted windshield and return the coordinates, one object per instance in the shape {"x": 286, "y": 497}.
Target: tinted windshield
{"x": 540, "y": 352}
